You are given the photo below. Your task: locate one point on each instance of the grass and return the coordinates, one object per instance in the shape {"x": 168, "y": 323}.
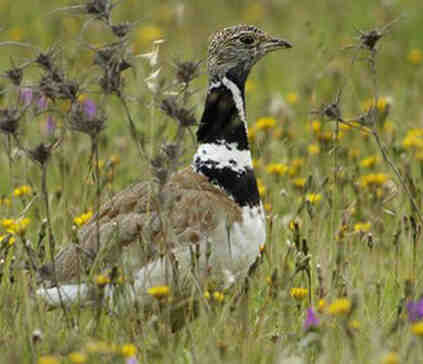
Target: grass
{"x": 336, "y": 209}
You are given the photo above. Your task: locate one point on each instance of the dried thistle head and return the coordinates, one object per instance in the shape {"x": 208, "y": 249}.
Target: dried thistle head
{"x": 187, "y": 71}
{"x": 46, "y": 60}
{"x": 170, "y": 150}
{"x": 15, "y": 75}
{"x": 55, "y": 87}
{"x": 99, "y": 8}
{"x": 331, "y": 111}
{"x": 369, "y": 39}
{"x": 84, "y": 122}
{"x": 41, "y": 153}
{"x": 121, "y": 30}
{"x": 112, "y": 62}
{"x": 9, "y": 120}
{"x": 170, "y": 107}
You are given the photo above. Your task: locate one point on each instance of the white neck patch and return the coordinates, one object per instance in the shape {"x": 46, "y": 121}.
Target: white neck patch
{"x": 236, "y": 93}
{"x": 222, "y": 155}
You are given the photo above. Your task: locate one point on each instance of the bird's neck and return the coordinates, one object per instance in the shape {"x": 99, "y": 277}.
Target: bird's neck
{"x": 223, "y": 154}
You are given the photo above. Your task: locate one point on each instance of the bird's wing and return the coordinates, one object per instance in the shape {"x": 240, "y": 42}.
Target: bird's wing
{"x": 183, "y": 211}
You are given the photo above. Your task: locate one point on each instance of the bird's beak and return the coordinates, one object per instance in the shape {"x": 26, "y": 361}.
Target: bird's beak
{"x": 273, "y": 44}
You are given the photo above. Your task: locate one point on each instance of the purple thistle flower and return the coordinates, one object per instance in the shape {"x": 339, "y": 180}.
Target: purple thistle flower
{"x": 42, "y": 102}
{"x": 415, "y": 310}
{"x": 131, "y": 360}
{"x": 90, "y": 108}
{"x": 50, "y": 126}
{"x": 311, "y": 319}
{"x": 25, "y": 95}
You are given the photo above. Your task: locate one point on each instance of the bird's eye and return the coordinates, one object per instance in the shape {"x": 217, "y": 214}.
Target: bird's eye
{"x": 247, "y": 39}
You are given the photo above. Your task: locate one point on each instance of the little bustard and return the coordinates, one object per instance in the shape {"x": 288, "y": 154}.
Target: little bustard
{"x": 213, "y": 210}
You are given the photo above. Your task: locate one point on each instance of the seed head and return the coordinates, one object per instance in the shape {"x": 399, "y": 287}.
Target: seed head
{"x": 186, "y": 71}
{"x": 99, "y": 8}
{"x": 171, "y": 108}
{"x": 121, "y": 30}
{"x": 40, "y": 153}
{"x": 83, "y": 122}
{"x": 369, "y": 39}
{"x": 9, "y": 121}
{"x": 15, "y": 75}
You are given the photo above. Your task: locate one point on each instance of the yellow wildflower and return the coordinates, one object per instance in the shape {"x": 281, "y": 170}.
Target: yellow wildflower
{"x": 83, "y": 219}
{"x": 362, "y": 227}
{"x": 373, "y": 179}
{"x": 265, "y": 123}
{"x": 313, "y": 197}
{"x": 413, "y": 139}
{"x": 101, "y": 280}
{"x": 417, "y": 328}
{"x": 316, "y": 126}
{"x": 48, "y": 359}
{"x": 321, "y": 305}
{"x": 18, "y": 226}
{"x": 299, "y": 182}
{"x": 7, "y": 238}
{"x": 267, "y": 207}
{"x": 313, "y": 149}
{"x": 78, "y": 357}
{"x": 299, "y": 293}
{"x": 354, "y": 324}
{"x": 277, "y": 169}
{"x": 339, "y": 307}
{"x": 159, "y": 292}
{"x": 128, "y": 350}
{"x": 344, "y": 126}
{"x": 390, "y": 358}
{"x": 369, "y": 162}
{"x": 294, "y": 224}
{"x": 381, "y": 104}
{"x": 218, "y": 296}
{"x": 7, "y": 223}
{"x": 262, "y": 189}
{"x": 415, "y": 56}
{"x": 207, "y": 295}
{"x": 292, "y": 98}
{"x": 24, "y": 190}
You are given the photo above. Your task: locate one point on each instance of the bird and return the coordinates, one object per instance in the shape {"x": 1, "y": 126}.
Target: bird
{"x": 209, "y": 222}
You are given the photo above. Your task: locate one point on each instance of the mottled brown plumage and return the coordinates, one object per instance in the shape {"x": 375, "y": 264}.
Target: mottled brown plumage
{"x": 191, "y": 208}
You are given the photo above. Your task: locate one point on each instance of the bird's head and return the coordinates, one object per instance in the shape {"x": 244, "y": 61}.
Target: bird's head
{"x": 235, "y": 50}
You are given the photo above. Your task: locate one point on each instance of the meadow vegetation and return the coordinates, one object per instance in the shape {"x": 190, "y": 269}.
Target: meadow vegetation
{"x": 93, "y": 98}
